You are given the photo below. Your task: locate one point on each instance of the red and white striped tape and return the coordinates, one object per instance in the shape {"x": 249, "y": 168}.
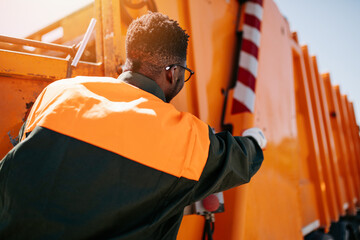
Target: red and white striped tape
{"x": 244, "y": 91}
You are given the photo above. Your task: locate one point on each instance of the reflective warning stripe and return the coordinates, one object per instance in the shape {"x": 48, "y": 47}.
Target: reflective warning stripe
{"x": 248, "y": 62}
{"x": 254, "y": 9}
{"x": 245, "y": 95}
{"x": 251, "y": 34}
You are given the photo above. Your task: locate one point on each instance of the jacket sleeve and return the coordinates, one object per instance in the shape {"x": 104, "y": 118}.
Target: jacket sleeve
{"x": 232, "y": 161}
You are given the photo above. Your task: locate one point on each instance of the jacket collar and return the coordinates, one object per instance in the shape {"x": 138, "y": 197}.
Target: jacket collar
{"x": 143, "y": 82}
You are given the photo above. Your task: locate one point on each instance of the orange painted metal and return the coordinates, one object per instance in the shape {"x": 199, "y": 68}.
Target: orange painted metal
{"x": 211, "y": 57}
{"x": 311, "y": 171}
{"x": 345, "y": 162}
{"x": 264, "y": 198}
{"x": 326, "y": 185}
{"x": 17, "y": 97}
{"x": 187, "y": 100}
{"x": 308, "y": 180}
{"x": 311, "y": 159}
{"x": 351, "y": 148}
{"x": 355, "y": 136}
{"x": 113, "y": 40}
{"x": 23, "y": 76}
{"x": 336, "y": 209}
{"x": 333, "y": 112}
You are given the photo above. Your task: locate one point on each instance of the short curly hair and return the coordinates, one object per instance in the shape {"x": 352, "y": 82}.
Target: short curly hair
{"x": 154, "y": 41}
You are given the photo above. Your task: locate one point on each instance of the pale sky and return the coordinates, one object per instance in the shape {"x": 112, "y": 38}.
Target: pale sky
{"x": 330, "y": 28}
{"x": 19, "y": 18}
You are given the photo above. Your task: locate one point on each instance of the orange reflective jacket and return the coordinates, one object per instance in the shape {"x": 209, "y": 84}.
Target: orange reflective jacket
{"x": 126, "y": 120}
{"x": 103, "y": 159}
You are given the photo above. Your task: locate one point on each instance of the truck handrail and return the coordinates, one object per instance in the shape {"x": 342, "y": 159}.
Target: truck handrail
{"x": 38, "y": 44}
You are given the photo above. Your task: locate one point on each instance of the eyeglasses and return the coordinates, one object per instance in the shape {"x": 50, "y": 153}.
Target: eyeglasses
{"x": 188, "y": 71}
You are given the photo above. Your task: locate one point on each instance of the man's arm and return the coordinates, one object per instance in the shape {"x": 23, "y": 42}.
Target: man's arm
{"x": 232, "y": 161}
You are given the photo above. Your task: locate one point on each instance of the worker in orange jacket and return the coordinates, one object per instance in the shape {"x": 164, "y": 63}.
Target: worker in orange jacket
{"x": 109, "y": 158}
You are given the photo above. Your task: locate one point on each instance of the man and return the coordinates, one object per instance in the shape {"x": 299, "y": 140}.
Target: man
{"x": 109, "y": 158}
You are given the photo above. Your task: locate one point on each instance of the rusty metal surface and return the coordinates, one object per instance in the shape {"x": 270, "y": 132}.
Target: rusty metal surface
{"x": 17, "y": 97}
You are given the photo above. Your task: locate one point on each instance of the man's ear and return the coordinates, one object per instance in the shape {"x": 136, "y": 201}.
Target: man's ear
{"x": 170, "y": 75}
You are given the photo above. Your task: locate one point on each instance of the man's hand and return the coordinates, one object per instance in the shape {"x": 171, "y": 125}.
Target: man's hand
{"x": 257, "y": 134}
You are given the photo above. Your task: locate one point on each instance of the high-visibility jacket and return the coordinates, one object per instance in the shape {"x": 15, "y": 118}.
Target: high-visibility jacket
{"x": 109, "y": 158}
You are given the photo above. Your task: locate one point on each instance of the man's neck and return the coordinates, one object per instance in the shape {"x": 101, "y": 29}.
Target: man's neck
{"x": 143, "y": 82}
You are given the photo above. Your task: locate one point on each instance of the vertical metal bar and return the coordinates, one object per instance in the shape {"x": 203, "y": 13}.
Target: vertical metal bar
{"x": 108, "y": 38}
{"x": 327, "y": 160}
{"x": 69, "y": 59}
{"x": 84, "y": 42}
{"x": 350, "y": 147}
{"x": 119, "y": 35}
{"x": 331, "y": 113}
{"x": 99, "y": 32}
{"x": 192, "y": 92}
{"x": 345, "y": 154}
{"x": 355, "y": 135}
{"x": 315, "y": 163}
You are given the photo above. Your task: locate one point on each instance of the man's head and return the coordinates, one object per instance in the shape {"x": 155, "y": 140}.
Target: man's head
{"x": 154, "y": 42}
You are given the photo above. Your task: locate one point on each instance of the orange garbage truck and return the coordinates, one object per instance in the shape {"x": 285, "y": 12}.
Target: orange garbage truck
{"x": 250, "y": 71}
